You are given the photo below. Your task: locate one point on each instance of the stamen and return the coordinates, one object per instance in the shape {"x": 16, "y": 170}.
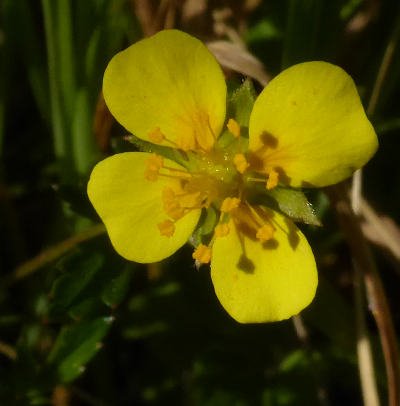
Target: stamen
{"x": 265, "y": 232}
{"x": 156, "y": 136}
{"x": 233, "y": 128}
{"x": 166, "y": 228}
{"x": 176, "y": 169}
{"x": 174, "y": 209}
{"x": 249, "y": 178}
{"x": 221, "y": 230}
{"x": 265, "y": 229}
{"x": 151, "y": 175}
{"x": 272, "y": 179}
{"x": 229, "y": 204}
{"x": 180, "y": 177}
{"x": 154, "y": 162}
{"x": 241, "y": 163}
{"x": 190, "y": 200}
{"x": 202, "y": 254}
{"x": 168, "y": 195}
{"x": 186, "y": 143}
{"x": 203, "y": 130}
{"x": 153, "y": 165}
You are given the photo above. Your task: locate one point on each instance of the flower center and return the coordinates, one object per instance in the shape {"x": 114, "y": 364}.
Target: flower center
{"x": 217, "y": 178}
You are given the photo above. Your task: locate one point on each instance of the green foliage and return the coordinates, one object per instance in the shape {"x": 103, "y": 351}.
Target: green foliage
{"x": 293, "y": 203}
{"x": 109, "y": 332}
{"x": 75, "y": 346}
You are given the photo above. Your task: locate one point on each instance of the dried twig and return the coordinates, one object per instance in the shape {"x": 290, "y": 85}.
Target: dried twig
{"x": 54, "y": 252}
{"x": 348, "y": 212}
{"x": 381, "y": 230}
{"x": 8, "y": 351}
{"x": 351, "y": 227}
{"x": 364, "y": 351}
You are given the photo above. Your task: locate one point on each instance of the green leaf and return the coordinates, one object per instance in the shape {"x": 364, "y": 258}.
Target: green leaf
{"x": 115, "y": 292}
{"x": 75, "y": 346}
{"x": 292, "y": 203}
{"x": 88, "y": 308}
{"x": 264, "y": 30}
{"x": 85, "y": 150}
{"x": 80, "y": 270}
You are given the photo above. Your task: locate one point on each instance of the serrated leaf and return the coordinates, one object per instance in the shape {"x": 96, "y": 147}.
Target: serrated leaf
{"x": 75, "y": 346}
{"x": 115, "y": 292}
{"x": 240, "y": 104}
{"x": 292, "y": 203}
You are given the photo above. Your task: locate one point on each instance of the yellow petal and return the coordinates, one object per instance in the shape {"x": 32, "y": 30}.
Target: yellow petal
{"x": 310, "y": 126}
{"x": 131, "y": 207}
{"x": 261, "y": 282}
{"x": 169, "y": 82}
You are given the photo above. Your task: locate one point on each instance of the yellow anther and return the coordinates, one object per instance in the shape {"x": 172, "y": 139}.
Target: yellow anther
{"x": 265, "y": 233}
{"x": 168, "y": 195}
{"x": 233, "y": 127}
{"x": 153, "y": 165}
{"x": 166, "y": 228}
{"x": 174, "y": 209}
{"x": 154, "y": 162}
{"x": 151, "y": 175}
{"x": 221, "y": 230}
{"x": 229, "y": 204}
{"x": 272, "y": 179}
{"x": 190, "y": 199}
{"x": 156, "y": 136}
{"x": 202, "y": 254}
{"x": 241, "y": 163}
{"x": 186, "y": 143}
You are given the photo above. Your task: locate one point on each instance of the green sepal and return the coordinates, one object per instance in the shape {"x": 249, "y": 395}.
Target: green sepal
{"x": 239, "y": 106}
{"x": 173, "y": 154}
{"x": 207, "y": 223}
{"x": 240, "y": 103}
{"x": 290, "y": 202}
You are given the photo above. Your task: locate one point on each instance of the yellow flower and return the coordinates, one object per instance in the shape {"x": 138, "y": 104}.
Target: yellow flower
{"x": 307, "y": 128}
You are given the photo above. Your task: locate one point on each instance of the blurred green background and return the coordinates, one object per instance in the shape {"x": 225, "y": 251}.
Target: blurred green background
{"x": 81, "y": 326}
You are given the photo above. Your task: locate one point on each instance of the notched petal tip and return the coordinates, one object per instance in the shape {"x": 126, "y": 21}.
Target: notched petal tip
{"x": 313, "y": 112}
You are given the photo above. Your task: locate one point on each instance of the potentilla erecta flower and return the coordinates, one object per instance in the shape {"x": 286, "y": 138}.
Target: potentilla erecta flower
{"x": 307, "y": 128}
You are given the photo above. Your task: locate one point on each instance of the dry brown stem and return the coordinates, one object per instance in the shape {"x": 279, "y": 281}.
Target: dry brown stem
{"x": 54, "y": 252}
{"x": 351, "y": 226}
